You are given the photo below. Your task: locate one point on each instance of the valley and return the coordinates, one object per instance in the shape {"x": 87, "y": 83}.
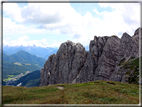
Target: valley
{"x": 18, "y": 65}
{"x": 30, "y": 79}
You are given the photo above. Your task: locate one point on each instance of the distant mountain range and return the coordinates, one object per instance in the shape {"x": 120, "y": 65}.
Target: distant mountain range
{"x": 38, "y": 51}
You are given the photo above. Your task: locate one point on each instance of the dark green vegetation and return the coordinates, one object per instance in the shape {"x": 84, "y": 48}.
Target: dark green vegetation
{"x": 20, "y": 62}
{"x": 98, "y": 92}
{"x": 10, "y": 68}
{"x": 30, "y": 80}
{"x": 132, "y": 67}
{"x": 3, "y": 82}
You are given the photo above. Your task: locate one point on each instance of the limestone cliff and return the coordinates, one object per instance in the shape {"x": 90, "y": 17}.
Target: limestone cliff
{"x": 103, "y": 61}
{"x": 65, "y": 65}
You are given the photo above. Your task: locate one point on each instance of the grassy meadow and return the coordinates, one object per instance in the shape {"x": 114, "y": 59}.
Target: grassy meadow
{"x": 98, "y": 92}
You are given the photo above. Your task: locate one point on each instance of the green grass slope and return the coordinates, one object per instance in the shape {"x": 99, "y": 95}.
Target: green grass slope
{"x": 98, "y": 92}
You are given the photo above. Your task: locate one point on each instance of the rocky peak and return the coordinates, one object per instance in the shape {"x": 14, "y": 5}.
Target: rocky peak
{"x": 125, "y": 36}
{"x": 137, "y": 33}
{"x": 64, "y": 66}
{"x": 96, "y": 46}
{"x": 128, "y": 47}
{"x": 73, "y": 64}
{"x": 107, "y": 61}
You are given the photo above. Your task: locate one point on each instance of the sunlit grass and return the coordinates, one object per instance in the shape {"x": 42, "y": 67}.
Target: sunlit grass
{"x": 9, "y": 77}
{"x": 98, "y": 92}
{"x": 17, "y": 63}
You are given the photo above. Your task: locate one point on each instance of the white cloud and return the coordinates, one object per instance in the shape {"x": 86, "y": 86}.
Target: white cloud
{"x": 13, "y": 10}
{"x": 23, "y": 38}
{"x": 125, "y": 15}
{"x": 61, "y": 18}
{"x": 25, "y": 41}
{"x": 10, "y": 27}
{"x": 20, "y": 41}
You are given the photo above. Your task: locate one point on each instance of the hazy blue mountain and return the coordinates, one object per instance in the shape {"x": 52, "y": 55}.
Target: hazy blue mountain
{"x": 7, "y": 53}
{"x": 38, "y": 51}
{"x": 50, "y": 53}
{"x": 30, "y": 80}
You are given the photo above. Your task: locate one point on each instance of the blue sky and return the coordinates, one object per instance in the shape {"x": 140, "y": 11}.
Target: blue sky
{"x": 49, "y": 25}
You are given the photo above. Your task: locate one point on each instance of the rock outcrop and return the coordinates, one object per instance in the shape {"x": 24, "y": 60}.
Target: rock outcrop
{"x": 136, "y": 34}
{"x": 95, "y": 51}
{"x": 128, "y": 51}
{"x": 104, "y": 61}
{"x": 65, "y": 65}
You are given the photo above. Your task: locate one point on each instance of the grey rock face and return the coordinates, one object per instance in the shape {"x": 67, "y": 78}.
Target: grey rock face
{"x": 107, "y": 61}
{"x": 104, "y": 61}
{"x": 65, "y": 65}
{"x": 96, "y": 49}
{"x": 137, "y": 33}
{"x": 128, "y": 49}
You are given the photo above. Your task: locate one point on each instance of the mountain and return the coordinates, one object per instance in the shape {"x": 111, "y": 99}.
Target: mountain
{"x": 50, "y": 52}
{"x": 7, "y": 53}
{"x": 20, "y": 62}
{"x": 105, "y": 60}
{"x": 30, "y": 80}
{"x": 38, "y": 51}
{"x": 24, "y": 57}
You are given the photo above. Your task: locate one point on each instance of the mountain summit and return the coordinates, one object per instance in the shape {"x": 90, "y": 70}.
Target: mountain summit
{"x": 106, "y": 56}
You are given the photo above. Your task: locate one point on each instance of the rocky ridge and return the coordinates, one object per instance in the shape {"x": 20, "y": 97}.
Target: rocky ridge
{"x": 104, "y": 60}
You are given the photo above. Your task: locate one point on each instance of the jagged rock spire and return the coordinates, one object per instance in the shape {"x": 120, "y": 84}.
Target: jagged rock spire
{"x": 73, "y": 64}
